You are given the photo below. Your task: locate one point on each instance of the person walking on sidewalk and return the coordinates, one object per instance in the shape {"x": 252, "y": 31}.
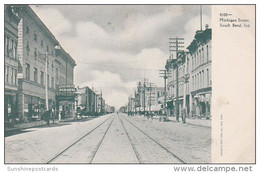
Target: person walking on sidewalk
{"x": 46, "y": 116}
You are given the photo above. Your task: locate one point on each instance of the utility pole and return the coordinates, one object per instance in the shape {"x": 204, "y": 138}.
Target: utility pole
{"x": 144, "y": 85}
{"x": 150, "y": 97}
{"x": 177, "y": 44}
{"x": 139, "y": 96}
{"x": 165, "y": 76}
{"x": 101, "y": 102}
{"x": 201, "y": 17}
{"x": 46, "y": 82}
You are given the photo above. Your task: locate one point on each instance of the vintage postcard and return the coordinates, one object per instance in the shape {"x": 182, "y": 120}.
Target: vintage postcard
{"x": 156, "y": 84}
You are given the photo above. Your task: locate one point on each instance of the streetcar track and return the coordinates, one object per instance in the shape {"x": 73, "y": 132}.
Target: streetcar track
{"x": 98, "y": 146}
{"x": 162, "y": 146}
{"x": 130, "y": 141}
{"x": 78, "y": 140}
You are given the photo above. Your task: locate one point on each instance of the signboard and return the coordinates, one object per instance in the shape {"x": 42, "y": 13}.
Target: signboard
{"x": 66, "y": 92}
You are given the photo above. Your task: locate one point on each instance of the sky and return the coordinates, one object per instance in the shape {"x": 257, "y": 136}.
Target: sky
{"x": 115, "y": 46}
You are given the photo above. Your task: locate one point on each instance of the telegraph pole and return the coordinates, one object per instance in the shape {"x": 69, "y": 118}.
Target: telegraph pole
{"x": 139, "y": 96}
{"x": 144, "y": 85}
{"x": 178, "y": 43}
{"x": 46, "y": 82}
{"x": 165, "y": 76}
{"x": 150, "y": 97}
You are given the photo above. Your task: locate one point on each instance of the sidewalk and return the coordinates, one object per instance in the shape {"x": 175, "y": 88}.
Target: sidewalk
{"x": 39, "y": 123}
{"x": 194, "y": 121}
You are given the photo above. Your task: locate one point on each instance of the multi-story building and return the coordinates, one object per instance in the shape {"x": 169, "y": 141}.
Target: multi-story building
{"x": 11, "y": 21}
{"x": 42, "y": 63}
{"x": 89, "y": 102}
{"x": 182, "y": 63}
{"x": 194, "y": 77}
{"x": 146, "y": 98}
{"x": 64, "y": 78}
{"x": 200, "y": 73}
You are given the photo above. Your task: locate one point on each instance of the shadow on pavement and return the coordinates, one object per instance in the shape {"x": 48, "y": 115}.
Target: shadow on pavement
{"x": 16, "y": 132}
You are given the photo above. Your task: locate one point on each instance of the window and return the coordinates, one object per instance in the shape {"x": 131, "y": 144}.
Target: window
{"x": 52, "y": 66}
{"x": 35, "y": 37}
{"x": 6, "y": 45}
{"x": 27, "y": 30}
{"x": 57, "y": 74}
{"x": 7, "y": 74}
{"x": 207, "y": 77}
{"x": 15, "y": 77}
{"x": 52, "y": 82}
{"x": 35, "y": 53}
{"x": 195, "y": 61}
{"x": 47, "y": 49}
{"x": 202, "y": 56}
{"x": 27, "y": 71}
{"x": 12, "y": 76}
{"x": 41, "y": 43}
{"x": 207, "y": 52}
{"x": 48, "y": 81}
{"x": 15, "y": 50}
{"x": 42, "y": 78}
{"x": 35, "y": 75}
{"x": 27, "y": 48}
{"x": 203, "y": 81}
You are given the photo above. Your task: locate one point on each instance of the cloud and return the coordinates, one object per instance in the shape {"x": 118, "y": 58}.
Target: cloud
{"x": 114, "y": 52}
{"x": 193, "y": 25}
{"x": 54, "y": 20}
{"x": 113, "y": 89}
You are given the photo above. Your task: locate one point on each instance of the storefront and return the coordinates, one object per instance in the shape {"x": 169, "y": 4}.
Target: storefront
{"x": 10, "y": 105}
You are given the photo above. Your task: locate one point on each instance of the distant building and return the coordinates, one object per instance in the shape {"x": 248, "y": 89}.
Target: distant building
{"x": 89, "y": 102}
{"x": 147, "y": 98}
{"x": 11, "y": 21}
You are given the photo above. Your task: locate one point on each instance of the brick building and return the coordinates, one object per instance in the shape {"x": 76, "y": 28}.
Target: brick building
{"x": 11, "y": 21}
{"x": 194, "y": 77}
{"x": 36, "y": 44}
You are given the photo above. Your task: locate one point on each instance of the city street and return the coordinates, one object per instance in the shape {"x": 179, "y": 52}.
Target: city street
{"x": 112, "y": 138}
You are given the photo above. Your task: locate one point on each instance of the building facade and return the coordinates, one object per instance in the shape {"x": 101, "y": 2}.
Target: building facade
{"x": 200, "y": 74}
{"x": 64, "y": 78}
{"x": 194, "y": 78}
{"x": 11, "y": 21}
{"x": 146, "y": 98}
{"x": 43, "y": 66}
{"x": 90, "y": 103}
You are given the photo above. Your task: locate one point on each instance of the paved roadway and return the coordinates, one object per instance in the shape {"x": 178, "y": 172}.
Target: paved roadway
{"x": 113, "y": 138}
